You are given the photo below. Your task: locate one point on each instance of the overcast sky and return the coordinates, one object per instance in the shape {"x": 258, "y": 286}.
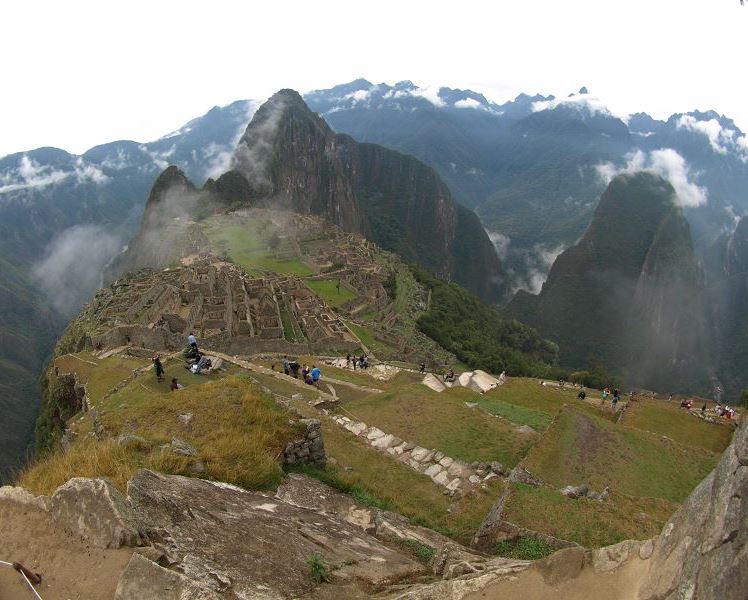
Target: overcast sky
{"x": 76, "y": 74}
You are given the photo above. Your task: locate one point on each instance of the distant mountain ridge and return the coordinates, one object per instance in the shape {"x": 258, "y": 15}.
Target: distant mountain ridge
{"x": 531, "y": 167}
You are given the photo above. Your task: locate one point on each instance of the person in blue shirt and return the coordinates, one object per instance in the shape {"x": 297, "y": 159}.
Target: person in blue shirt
{"x": 316, "y": 374}
{"x": 192, "y": 340}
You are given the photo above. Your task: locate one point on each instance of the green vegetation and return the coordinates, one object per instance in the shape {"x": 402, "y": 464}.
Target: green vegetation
{"x": 422, "y": 552}
{"x": 524, "y": 548}
{"x": 237, "y": 432}
{"x": 331, "y": 291}
{"x": 520, "y": 415}
{"x": 319, "y": 571}
{"x": 476, "y": 334}
{"x": 667, "y": 418}
{"x": 366, "y": 335}
{"x": 582, "y": 448}
{"x": 249, "y": 245}
{"x": 415, "y": 413}
{"x": 590, "y": 523}
{"x": 379, "y": 481}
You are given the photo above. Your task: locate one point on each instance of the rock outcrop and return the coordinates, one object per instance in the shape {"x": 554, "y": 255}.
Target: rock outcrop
{"x": 702, "y": 551}
{"x": 224, "y": 538}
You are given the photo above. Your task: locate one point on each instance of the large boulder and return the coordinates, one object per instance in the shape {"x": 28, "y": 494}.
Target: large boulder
{"x": 702, "y": 552}
{"x": 97, "y": 511}
{"x": 248, "y": 544}
{"x": 143, "y": 579}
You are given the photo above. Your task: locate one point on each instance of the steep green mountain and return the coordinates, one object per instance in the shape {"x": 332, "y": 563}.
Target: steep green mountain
{"x": 628, "y": 294}
{"x": 728, "y": 301}
{"x": 27, "y": 331}
{"x": 294, "y": 157}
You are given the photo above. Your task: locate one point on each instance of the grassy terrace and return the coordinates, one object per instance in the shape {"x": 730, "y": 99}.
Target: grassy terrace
{"x": 584, "y": 448}
{"x": 672, "y": 421}
{"x": 588, "y": 522}
{"x": 248, "y": 245}
{"x": 379, "y": 480}
{"x": 327, "y": 289}
{"x": 237, "y": 431}
{"x": 99, "y": 375}
{"x": 443, "y": 421}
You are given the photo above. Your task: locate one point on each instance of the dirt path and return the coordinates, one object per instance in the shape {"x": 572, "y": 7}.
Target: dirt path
{"x": 71, "y": 569}
{"x": 621, "y": 584}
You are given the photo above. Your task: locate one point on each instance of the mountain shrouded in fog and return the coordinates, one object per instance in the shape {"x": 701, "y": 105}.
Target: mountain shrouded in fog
{"x": 628, "y": 294}
{"x": 533, "y": 170}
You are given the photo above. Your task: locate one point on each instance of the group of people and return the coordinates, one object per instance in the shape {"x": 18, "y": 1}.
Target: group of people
{"x": 158, "y": 367}
{"x": 724, "y": 411}
{"x": 308, "y": 376}
{"x": 615, "y": 397}
{"x": 362, "y": 362}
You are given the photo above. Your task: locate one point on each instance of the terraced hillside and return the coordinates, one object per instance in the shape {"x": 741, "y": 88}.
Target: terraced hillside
{"x": 490, "y": 468}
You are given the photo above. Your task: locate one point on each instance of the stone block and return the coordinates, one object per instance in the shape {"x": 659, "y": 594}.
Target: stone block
{"x": 433, "y": 470}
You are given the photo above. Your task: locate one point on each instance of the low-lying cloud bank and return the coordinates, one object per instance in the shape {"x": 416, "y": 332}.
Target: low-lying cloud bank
{"x": 666, "y": 163}
{"x": 72, "y": 265}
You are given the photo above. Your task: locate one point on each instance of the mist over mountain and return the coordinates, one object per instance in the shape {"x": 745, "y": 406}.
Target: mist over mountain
{"x": 289, "y": 158}
{"x": 532, "y": 168}
{"x": 629, "y": 293}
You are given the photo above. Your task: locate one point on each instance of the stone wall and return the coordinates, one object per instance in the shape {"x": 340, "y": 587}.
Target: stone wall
{"x": 308, "y": 450}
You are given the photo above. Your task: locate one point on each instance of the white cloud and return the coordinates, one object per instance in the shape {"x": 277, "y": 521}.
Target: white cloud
{"x": 117, "y": 162}
{"x": 666, "y": 163}
{"x": 430, "y": 93}
{"x": 721, "y": 139}
{"x": 538, "y": 262}
{"x": 468, "y": 103}
{"x": 358, "y": 95}
{"x": 584, "y": 103}
{"x": 500, "y": 243}
{"x": 87, "y": 172}
{"x": 31, "y": 174}
{"x": 72, "y": 265}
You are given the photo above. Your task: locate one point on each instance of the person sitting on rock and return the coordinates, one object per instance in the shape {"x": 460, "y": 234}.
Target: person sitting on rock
{"x": 450, "y": 376}
{"x": 582, "y": 394}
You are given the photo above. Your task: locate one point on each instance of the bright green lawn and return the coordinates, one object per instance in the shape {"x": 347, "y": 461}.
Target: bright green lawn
{"x": 677, "y": 424}
{"x": 583, "y": 448}
{"x": 590, "y": 523}
{"x": 327, "y": 289}
{"x": 248, "y": 246}
{"x": 521, "y": 415}
{"x": 441, "y": 420}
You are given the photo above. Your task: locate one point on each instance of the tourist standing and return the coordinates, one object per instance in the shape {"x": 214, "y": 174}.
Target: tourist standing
{"x": 158, "y": 367}
{"x": 316, "y": 374}
{"x": 286, "y": 365}
{"x": 192, "y": 341}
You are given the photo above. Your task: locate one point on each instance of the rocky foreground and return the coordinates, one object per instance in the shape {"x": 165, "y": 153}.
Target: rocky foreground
{"x": 191, "y": 538}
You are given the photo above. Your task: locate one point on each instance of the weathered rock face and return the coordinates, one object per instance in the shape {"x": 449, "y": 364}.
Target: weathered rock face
{"x": 702, "y": 551}
{"x": 224, "y": 538}
{"x": 393, "y": 199}
{"x": 97, "y": 511}
{"x": 145, "y": 579}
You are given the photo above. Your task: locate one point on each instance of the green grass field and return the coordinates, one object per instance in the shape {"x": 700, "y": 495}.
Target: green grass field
{"x": 442, "y": 421}
{"x": 102, "y": 376}
{"x": 327, "y": 289}
{"x": 588, "y": 522}
{"x": 677, "y": 424}
{"x": 248, "y": 245}
{"x": 399, "y": 488}
{"x": 583, "y": 448}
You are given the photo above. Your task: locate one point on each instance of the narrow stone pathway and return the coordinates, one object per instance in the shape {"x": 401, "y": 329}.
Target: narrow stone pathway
{"x": 445, "y": 471}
